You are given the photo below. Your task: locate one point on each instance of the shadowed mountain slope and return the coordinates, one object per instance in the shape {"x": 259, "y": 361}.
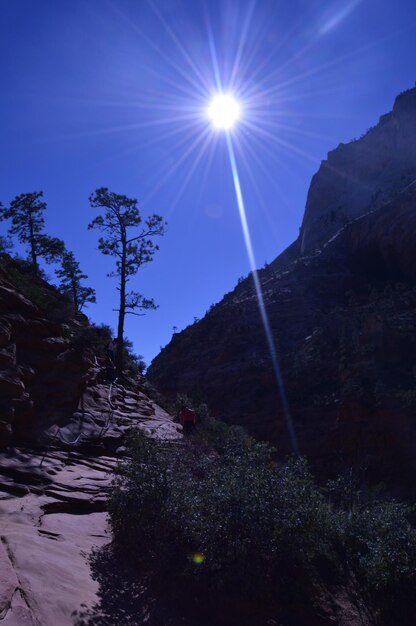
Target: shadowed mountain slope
{"x": 342, "y": 316}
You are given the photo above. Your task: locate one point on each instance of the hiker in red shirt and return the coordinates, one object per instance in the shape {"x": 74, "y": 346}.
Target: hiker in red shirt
{"x": 187, "y": 417}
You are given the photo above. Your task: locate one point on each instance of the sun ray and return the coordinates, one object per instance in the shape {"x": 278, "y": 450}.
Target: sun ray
{"x": 199, "y": 75}
{"x": 195, "y": 84}
{"x": 214, "y": 57}
{"x": 249, "y": 173}
{"x": 189, "y": 174}
{"x": 200, "y": 137}
{"x": 211, "y": 153}
{"x": 273, "y": 157}
{"x": 241, "y": 44}
{"x": 274, "y": 52}
{"x": 321, "y": 68}
{"x": 266, "y": 135}
{"x": 338, "y": 17}
{"x": 259, "y": 293}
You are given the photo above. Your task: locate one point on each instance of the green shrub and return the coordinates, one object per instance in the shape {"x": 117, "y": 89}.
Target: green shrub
{"x": 226, "y": 516}
{"x": 93, "y": 337}
{"x": 380, "y": 544}
{"x": 133, "y": 363}
{"x": 201, "y": 408}
{"x": 54, "y": 306}
{"x": 234, "y": 507}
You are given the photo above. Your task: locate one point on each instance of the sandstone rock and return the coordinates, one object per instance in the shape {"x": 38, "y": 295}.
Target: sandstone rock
{"x": 5, "y": 434}
{"x": 8, "y": 582}
{"x": 5, "y": 333}
{"x": 22, "y": 416}
{"x": 53, "y": 344}
{"x": 14, "y": 302}
{"x": 47, "y": 536}
{"x": 8, "y": 356}
{"x": 10, "y": 385}
{"x": 6, "y": 411}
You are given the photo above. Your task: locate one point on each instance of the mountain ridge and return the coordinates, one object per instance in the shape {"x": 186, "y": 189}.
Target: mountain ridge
{"x": 324, "y": 295}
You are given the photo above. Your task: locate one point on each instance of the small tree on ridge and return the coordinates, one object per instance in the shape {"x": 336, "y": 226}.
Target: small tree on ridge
{"x": 129, "y": 239}
{"x": 71, "y": 277}
{"x": 26, "y": 215}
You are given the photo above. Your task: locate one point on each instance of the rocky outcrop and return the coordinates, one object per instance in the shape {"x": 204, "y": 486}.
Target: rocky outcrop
{"x": 363, "y": 175}
{"x": 48, "y": 383}
{"x": 40, "y": 376}
{"x": 63, "y": 426}
{"x": 51, "y": 518}
{"x": 53, "y": 503}
{"x": 106, "y": 414}
{"x": 343, "y": 322}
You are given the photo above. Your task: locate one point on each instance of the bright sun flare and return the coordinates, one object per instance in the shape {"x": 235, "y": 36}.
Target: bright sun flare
{"x": 224, "y": 111}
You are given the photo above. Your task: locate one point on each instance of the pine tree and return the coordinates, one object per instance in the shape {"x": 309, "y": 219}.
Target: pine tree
{"x": 71, "y": 277}
{"x": 27, "y": 223}
{"x": 5, "y": 243}
{"x": 129, "y": 239}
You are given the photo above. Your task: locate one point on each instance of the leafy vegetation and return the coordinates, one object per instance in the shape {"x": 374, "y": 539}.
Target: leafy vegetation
{"x": 54, "y": 306}
{"x": 71, "y": 285}
{"x": 96, "y": 339}
{"x": 225, "y": 516}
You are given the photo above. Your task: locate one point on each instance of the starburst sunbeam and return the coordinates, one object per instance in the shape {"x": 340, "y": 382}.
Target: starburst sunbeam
{"x": 259, "y": 294}
{"x": 249, "y": 99}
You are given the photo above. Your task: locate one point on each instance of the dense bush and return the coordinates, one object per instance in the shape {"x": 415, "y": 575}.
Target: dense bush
{"x": 94, "y": 337}
{"x": 227, "y": 516}
{"x": 54, "y": 305}
{"x": 380, "y": 544}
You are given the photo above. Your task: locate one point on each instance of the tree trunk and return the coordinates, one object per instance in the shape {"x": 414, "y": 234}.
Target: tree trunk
{"x": 122, "y": 311}
{"x": 35, "y": 267}
{"x": 75, "y": 296}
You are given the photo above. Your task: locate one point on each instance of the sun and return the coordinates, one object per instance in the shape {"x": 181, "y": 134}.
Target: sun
{"x": 224, "y": 111}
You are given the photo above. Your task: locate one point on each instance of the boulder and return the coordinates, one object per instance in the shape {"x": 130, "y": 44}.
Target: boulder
{"x": 13, "y": 302}
{"x": 5, "y": 434}
{"x": 5, "y": 332}
{"x": 10, "y": 385}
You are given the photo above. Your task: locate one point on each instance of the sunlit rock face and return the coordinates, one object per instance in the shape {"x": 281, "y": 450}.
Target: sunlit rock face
{"x": 362, "y": 175}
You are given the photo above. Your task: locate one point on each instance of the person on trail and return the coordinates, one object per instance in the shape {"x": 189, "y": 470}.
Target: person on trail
{"x": 187, "y": 417}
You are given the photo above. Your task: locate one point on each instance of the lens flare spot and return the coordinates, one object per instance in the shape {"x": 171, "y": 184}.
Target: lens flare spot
{"x": 224, "y": 111}
{"x": 198, "y": 558}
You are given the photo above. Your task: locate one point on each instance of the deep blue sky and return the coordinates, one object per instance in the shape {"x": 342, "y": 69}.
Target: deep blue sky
{"x": 99, "y": 93}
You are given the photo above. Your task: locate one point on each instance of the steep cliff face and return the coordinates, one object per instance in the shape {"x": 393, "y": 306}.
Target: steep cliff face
{"x": 363, "y": 175}
{"x": 342, "y": 318}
